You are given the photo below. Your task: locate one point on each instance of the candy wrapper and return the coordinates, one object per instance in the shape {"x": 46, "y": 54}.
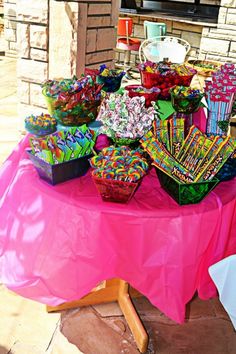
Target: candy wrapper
{"x": 64, "y": 145}
{"x": 161, "y": 132}
{"x": 176, "y": 135}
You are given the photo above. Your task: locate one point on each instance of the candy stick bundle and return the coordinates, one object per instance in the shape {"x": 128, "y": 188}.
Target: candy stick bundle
{"x": 199, "y": 157}
{"x": 220, "y": 97}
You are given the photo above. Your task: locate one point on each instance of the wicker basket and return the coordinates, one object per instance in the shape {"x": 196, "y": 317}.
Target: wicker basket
{"x": 115, "y": 191}
{"x": 207, "y": 71}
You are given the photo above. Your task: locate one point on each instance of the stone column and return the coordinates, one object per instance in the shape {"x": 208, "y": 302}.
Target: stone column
{"x": 9, "y": 11}
{"x": 58, "y": 39}
{"x": 32, "y": 42}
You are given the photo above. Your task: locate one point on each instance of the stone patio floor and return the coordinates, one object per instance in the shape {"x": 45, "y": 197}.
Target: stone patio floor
{"x": 26, "y": 327}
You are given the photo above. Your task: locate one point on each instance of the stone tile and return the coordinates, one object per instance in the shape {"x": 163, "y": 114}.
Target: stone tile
{"x": 107, "y": 310}
{"x": 60, "y": 345}
{"x": 24, "y": 324}
{"x": 198, "y": 308}
{"x": 95, "y": 335}
{"x": 204, "y": 336}
{"x": 219, "y": 309}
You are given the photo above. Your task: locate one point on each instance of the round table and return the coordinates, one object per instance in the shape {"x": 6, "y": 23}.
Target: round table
{"x": 59, "y": 242}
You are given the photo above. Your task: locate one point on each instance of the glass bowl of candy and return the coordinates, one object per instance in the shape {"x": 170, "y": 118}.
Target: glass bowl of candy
{"x": 109, "y": 78}
{"x": 77, "y": 114}
{"x": 185, "y": 99}
{"x": 40, "y": 125}
{"x": 73, "y": 102}
{"x": 149, "y": 94}
{"x": 164, "y": 76}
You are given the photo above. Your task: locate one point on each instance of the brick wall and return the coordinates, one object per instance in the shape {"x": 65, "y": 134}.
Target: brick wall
{"x": 220, "y": 43}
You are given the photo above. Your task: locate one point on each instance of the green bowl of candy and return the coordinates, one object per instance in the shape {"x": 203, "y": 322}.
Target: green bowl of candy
{"x": 73, "y": 102}
{"x": 82, "y": 113}
{"x": 185, "y": 193}
{"x": 185, "y": 100}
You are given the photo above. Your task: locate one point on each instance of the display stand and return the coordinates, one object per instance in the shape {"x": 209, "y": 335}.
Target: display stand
{"x": 113, "y": 290}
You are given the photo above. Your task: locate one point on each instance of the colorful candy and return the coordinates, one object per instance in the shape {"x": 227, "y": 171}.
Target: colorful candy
{"x": 127, "y": 167}
{"x": 125, "y": 117}
{"x": 40, "y": 124}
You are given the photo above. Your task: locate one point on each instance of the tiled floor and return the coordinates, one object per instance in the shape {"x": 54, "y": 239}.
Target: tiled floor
{"x": 26, "y": 327}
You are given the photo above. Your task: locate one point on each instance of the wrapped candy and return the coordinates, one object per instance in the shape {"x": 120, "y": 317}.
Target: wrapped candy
{"x": 123, "y": 117}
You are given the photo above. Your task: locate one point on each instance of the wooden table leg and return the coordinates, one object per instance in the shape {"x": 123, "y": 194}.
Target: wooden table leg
{"x": 113, "y": 290}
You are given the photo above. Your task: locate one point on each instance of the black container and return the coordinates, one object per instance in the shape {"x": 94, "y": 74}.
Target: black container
{"x": 185, "y": 193}
{"x": 60, "y": 172}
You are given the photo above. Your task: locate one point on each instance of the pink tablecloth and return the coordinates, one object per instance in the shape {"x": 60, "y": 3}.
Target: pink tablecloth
{"x": 56, "y": 243}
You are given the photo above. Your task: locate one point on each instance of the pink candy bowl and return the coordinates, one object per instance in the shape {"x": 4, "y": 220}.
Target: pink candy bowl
{"x": 165, "y": 82}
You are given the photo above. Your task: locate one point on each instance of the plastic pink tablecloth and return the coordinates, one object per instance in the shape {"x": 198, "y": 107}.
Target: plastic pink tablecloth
{"x": 57, "y": 243}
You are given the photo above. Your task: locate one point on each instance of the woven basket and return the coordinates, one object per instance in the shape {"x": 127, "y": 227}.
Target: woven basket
{"x": 204, "y": 71}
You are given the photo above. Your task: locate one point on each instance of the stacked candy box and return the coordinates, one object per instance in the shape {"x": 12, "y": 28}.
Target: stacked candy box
{"x": 62, "y": 155}
{"x": 188, "y": 173}
{"x": 73, "y": 101}
{"x": 40, "y": 125}
{"x": 118, "y": 172}
{"x": 124, "y": 119}
{"x": 164, "y": 76}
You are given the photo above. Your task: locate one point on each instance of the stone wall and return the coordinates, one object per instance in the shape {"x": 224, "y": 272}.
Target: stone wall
{"x": 58, "y": 40}
{"x": 10, "y": 27}
{"x": 220, "y": 43}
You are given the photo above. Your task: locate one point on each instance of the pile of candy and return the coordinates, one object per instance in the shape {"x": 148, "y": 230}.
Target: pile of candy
{"x": 40, "y": 124}
{"x": 199, "y": 157}
{"x": 185, "y": 99}
{"x": 76, "y": 100}
{"x": 150, "y": 95}
{"x": 64, "y": 145}
{"x": 109, "y": 78}
{"x": 122, "y": 164}
{"x": 165, "y": 75}
{"x": 125, "y": 117}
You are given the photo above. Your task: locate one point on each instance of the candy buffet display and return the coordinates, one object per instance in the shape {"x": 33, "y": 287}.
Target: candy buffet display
{"x": 125, "y": 119}
{"x": 40, "y": 125}
{"x": 73, "y": 101}
{"x": 118, "y": 172}
{"x": 187, "y": 160}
